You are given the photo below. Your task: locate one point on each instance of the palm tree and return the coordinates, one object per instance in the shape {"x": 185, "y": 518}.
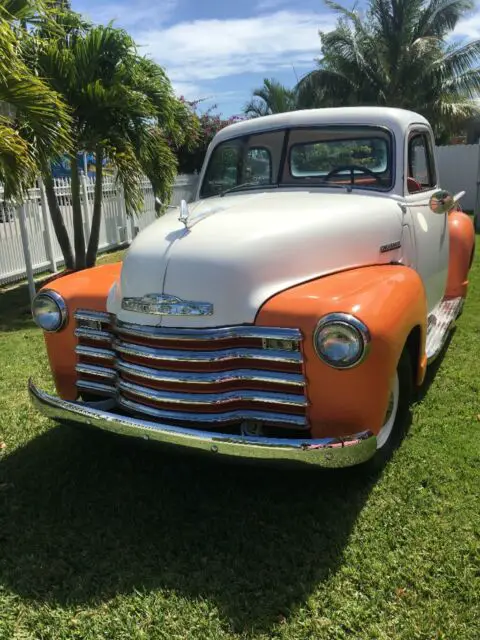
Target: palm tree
{"x": 123, "y": 108}
{"x": 397, "y": 54}
{"x": 33, "y": 119}
{"x": 272, "y": 97}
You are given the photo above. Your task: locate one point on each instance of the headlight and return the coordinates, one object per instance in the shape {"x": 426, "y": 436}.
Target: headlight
{"x": 49, "y": 310}
{"x": 341, "y": 340}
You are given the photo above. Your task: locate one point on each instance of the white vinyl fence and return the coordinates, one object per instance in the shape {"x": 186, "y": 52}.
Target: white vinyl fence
{"x": 30, "y": 225}
{"x": 458, "y": 167}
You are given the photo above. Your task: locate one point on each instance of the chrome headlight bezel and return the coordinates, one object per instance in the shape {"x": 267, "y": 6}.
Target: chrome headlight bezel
{"x": 59, "y": 302}
{"x": 351, "y": 324}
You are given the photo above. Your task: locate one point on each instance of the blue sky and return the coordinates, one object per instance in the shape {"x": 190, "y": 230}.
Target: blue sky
{"x": 221, "y": 50}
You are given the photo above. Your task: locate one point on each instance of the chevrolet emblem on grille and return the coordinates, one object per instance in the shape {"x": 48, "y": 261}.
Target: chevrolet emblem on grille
{"x": 166, "y": 305}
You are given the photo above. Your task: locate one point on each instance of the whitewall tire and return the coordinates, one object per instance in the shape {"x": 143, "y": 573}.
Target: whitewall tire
{"x": 397, "y": 415}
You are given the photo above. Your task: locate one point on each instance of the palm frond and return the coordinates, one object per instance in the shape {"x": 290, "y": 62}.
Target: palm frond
{"x": 271, "y": 97}
{"x": 458, "y": 59}
{"x": 129, "y": 173}
{"x": 17, "y": 166}
{"x": 440, "y": 17}
{"x": 37, "y": 114}
{"x": 397, "y": 54}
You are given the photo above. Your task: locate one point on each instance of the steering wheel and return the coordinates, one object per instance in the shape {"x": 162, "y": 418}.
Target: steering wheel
{"x": 352, "y": 168}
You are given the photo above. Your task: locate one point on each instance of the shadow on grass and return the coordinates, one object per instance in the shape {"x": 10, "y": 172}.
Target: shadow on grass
{"x": 15, "y": 309}
{"x": 89, "y": 515}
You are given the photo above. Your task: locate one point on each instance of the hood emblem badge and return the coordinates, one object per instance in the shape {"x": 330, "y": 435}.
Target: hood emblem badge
{"x": 158, "y": 304}
{"x": 184, "y": 213}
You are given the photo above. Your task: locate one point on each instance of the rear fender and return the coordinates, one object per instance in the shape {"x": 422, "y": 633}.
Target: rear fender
{"x": 462, "y": 242}
{"x": 391, "y": 301}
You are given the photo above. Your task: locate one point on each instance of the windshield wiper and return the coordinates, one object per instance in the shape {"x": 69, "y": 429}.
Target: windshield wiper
{"x": 249, "y": 185}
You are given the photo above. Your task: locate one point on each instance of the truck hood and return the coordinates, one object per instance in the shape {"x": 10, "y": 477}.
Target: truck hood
{"x": 242, "y": 249}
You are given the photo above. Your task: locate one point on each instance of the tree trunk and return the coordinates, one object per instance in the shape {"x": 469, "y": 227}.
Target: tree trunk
{"x": 97, "y": 209}
{"x": 57, "y": 220}
{"x": 78, "y": 234}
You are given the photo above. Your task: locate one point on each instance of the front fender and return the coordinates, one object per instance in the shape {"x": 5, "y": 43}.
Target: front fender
{"x": 391, "y": 301}
{"x": 86, "y": 289}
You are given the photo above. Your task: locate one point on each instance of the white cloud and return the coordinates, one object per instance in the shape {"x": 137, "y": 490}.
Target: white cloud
{"x": 469, "y": 27}
{"x": 208, "y": 49}
{"x": 189, "y": 90}
{"x": 268, "y": 5}
{"x": 139, "y": 15}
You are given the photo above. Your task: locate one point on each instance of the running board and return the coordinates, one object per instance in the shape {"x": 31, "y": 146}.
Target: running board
{"x": 440, "y": 323}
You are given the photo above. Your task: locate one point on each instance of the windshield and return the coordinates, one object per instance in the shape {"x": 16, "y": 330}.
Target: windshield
{"x": 347, "y": 156}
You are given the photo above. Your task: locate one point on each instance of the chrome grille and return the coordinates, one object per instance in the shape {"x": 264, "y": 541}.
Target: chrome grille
{"x": 214, "y": 376}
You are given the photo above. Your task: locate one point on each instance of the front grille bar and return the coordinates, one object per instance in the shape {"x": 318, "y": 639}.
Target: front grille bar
{"x": 217, "y": 377}
{"x": 215, "y": 418}
{"x": 92, "y": 316}
{"x": 206, "y": 335}
{"x": 93, "y": 334}
{"x": 172, "y": 355}
{"x": 97, "y": 387}
{"x": 94, "y": 352}
{"x": 96, "y": 371}
{"x": 212, "y": 399}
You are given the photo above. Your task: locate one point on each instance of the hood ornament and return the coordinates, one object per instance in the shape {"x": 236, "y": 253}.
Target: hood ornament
{"x": 184, "y": 213}
{"x": 163, "y": 304}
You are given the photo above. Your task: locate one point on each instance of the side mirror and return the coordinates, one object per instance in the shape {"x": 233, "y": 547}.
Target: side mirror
{"x": 441, "y": 202}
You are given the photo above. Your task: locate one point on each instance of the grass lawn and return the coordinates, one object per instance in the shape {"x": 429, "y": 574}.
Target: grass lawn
{"x": 101, "y": 537}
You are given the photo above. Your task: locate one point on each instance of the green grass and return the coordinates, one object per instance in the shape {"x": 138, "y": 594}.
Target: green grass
{"x": 101, "y": 537}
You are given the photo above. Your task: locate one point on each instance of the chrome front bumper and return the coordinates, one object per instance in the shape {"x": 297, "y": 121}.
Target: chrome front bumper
{"x": 326, "y": 452}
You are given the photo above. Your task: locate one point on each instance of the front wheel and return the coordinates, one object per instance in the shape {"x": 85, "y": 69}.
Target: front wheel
{"x": 397, "y": 415}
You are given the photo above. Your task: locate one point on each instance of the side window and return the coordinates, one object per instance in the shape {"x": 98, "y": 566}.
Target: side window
{"x": 421, "y": 167}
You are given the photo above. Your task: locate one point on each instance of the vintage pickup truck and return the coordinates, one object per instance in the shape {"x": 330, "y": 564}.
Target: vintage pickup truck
{"x": 288, "y": 313}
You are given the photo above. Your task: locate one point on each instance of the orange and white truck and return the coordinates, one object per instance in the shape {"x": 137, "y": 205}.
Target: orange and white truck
{"x": 288, "y": 312}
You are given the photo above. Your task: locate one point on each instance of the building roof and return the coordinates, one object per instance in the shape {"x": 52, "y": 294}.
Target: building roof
{"x": 395, "y": 119}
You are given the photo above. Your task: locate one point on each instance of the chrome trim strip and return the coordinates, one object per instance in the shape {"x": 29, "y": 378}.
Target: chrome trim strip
{"x": 221, "y": 333}
{"x": 95, "y": 370}
{"x": 350, "y": 321}
{"x": 93, "y": 334}
{"x": 94, "y": 352}
{"x": 95, "y": 316}
{"x": 218, "y": 377}
{"x": 215, "y": 399}
{"x": 325, "y": 452}
{"x": 90, "y": 385}
{"x": 151, "y": 353}
{"x": 237, "y": 415}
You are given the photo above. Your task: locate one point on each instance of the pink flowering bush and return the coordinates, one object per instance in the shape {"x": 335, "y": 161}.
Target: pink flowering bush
{"x": 190, "y": 158}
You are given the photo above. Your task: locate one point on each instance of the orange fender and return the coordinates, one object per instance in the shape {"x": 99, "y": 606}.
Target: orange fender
{"x": 391, "y": 301}
{"x": 462, "y": 241}
{"x": 86, "y": 289}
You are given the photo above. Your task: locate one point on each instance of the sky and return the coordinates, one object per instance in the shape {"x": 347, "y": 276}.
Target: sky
{"x": 220, "y": 50}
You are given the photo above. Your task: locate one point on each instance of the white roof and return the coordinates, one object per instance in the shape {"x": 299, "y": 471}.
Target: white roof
{"x": 395, "y": 119}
